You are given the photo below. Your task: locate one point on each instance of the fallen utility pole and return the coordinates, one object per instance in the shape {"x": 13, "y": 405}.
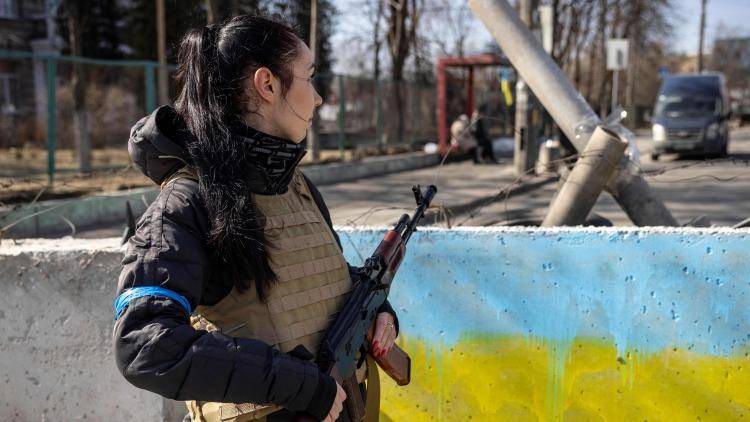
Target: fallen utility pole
{"x": 526, "y": 150}
{"x": 585, "y": 183}
{"x": 569, "y": 109}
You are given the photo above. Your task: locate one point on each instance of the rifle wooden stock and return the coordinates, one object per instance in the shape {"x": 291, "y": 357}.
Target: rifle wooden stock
{"x": 397, "y": 364}
{"x": 354, "y": 402}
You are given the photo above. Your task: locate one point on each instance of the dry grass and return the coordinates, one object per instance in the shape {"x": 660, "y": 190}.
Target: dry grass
{"x": 23, "y": 172}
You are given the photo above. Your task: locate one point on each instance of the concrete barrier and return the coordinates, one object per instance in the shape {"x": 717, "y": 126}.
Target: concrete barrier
{"x": 55, "y": 336}
{"x": 47, "y": 218}
{"x": 501, "y": 324}
{"x": 571, "y": 324}
{"x": 51, "y": 217}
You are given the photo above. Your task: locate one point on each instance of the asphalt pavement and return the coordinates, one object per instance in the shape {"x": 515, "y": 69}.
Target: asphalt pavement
{"x": 690, "y": 186}
{"x": 491, "y": 194}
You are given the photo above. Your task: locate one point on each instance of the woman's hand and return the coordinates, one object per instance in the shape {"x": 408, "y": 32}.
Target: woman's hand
{"x": 384, "y": 336}
{"x": 338, "y": 404}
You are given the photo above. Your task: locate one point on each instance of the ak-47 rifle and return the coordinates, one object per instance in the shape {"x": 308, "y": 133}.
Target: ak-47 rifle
{"x": 337, "y": 355}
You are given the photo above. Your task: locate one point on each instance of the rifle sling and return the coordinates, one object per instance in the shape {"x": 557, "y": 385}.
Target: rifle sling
{"x": 372, "y": 402}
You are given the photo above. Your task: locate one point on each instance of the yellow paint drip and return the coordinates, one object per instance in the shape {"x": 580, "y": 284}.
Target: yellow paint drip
{"x": 521, "y": 379}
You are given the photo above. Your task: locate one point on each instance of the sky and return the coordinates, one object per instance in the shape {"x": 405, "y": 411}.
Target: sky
{"x": 734, "y": 14}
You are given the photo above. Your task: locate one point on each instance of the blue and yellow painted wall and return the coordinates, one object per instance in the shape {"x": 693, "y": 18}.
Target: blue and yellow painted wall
{"x": 571, "y": 324}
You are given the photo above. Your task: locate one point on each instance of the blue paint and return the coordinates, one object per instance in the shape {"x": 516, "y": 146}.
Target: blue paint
{"x": 644, "y": 290}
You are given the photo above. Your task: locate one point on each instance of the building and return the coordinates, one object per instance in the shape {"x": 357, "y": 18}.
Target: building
{"x": 27, "y": 26}
{"x": 735, "y": 50}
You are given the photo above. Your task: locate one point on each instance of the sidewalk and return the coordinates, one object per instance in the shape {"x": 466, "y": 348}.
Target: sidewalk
{"x": 462, "y": 187}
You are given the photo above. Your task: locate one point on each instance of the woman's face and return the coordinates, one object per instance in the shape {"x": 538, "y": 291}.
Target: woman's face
{"x": 292, "y": 114}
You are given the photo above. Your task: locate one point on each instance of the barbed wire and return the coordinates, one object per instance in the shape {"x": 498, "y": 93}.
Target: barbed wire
{"x": 506, "y": 190}
{"x": 503, "y": 192}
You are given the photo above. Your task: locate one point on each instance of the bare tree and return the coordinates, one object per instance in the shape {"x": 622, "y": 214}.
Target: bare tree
{"x": 582, "y": 22}
{"x": 402, "y": 17}
{"x": 77, "y": 20}
{"x": 377, "y": 40}
{"x": 452, "y": 23}
{"x": 580, "y": 33}
{"x": 647, "y": 25}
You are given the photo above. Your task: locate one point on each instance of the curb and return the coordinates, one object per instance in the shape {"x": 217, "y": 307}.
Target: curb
{"x": 49, "y": 217}
{"x": 55, "y": 216}
{"x": 327, "y": 174}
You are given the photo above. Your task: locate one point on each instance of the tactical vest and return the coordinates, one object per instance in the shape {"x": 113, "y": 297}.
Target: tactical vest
{"x": 313, "y": 284}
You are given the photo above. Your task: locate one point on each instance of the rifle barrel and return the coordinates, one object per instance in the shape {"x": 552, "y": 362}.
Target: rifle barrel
{"x": 419, "y": 212}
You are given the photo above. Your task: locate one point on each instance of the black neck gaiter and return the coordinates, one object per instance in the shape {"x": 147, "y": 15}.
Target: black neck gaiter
{"x": 271, "y": 160}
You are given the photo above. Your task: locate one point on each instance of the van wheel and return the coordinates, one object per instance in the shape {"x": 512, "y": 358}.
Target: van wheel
{"x": 654, "y": 156}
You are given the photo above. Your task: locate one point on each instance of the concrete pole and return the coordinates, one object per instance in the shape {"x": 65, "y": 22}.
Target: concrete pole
{"x": 585, "y": 183}
{"x": 312, "y": 135}
{"x": 161, "y": 44}
{"x": 526, "y": 149}
{"x": 615, "y": 89}
{"x": 569, "y": 109}
{"x": 702, "y": 34}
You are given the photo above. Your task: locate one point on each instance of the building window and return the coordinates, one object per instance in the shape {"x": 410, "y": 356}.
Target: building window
{"x": 8, "y": 9}
{"x": 32, "y": 9}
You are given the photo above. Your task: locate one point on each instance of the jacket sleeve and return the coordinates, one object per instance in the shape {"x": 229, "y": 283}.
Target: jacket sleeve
{"x": 318, "y": 198}
{"x": 157, "y": 349}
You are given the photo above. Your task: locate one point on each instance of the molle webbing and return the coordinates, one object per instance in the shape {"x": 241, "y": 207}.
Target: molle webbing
{"x": 313, "y": 284}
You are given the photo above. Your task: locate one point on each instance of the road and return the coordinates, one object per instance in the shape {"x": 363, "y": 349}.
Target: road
{"x": 473, "y": 195}
{"x": 689, "y": 186}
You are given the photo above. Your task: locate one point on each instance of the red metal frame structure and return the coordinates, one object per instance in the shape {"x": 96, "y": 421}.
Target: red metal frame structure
{"x": 469, "y": 62}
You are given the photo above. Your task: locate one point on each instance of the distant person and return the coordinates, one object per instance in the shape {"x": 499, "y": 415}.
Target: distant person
{"x": 234, "y": 269}
{"x": 461, "y": 135}
{"x": 484, "y": 153}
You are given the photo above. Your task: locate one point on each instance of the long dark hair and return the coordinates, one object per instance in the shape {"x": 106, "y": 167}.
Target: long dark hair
{"x": 213, "y": 64}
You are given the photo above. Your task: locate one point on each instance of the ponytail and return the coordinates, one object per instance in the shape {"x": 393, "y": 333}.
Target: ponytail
{"x": 212, "y": 63}
{"x": 198, "y": 102}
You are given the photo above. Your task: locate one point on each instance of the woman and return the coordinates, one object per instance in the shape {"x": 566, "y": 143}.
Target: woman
{"x": 238, "y": 237}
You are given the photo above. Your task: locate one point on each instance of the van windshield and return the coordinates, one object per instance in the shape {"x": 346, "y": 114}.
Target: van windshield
{"x": 689, "y": 96}
{"x": 672, "y": 106}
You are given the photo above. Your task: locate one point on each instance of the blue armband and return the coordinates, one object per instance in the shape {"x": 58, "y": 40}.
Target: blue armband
{"x": 133, "y": 293}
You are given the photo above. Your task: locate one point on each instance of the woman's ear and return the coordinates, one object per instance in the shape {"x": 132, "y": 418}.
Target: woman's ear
{"x": 265, "y": 85}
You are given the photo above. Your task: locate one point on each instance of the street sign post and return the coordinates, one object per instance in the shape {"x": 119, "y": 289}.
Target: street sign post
{"x": 617, "y": 60}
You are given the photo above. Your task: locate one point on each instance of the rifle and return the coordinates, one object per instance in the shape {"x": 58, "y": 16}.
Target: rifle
{"x": 337, "y": 355}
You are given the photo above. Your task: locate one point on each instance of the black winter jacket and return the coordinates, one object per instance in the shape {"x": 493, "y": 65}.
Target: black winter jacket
{"x": 156, "y": 348}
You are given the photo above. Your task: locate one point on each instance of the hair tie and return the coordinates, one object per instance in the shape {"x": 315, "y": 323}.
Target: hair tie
{"x": 213, "y": 29}
{"x": 209, "y": 41}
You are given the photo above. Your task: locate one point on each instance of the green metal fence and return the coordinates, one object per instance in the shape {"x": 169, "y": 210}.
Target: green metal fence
{"x": 116, "y": 93}
{"x": 361, "y": 113}
{"x": 37, "y": 111}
